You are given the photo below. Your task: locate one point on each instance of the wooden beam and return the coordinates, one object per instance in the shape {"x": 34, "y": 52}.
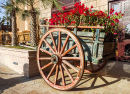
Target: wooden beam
{"x": 58, "y": 26}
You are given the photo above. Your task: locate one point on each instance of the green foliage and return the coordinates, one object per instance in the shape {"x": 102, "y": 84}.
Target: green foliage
{"x": 11, "y": 5}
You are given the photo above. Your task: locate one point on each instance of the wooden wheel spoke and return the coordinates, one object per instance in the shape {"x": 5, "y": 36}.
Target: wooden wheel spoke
{"x": 76, "y": 63}
{"x": 62, "y": 75}
{"x": 59, "y": 41}
{"x": 91, "y": 66}
{"x": 54, "y": 44}
{"x": 69, "y": 50}
{"x": 71, "y": 58}
{"x": 51, "y": 71}
{"x": 70, "y": 65}
{"x": 46, "y": 51}
{"x": 49, "y": 46}
{"x": 47, "y": 65}
{"x": 56, "y": 74}
{"x": 67, "y": 71}
{"x": 45, "y": 58}
{"x": 63, "y": 48}
{"x": 85, "y": 64}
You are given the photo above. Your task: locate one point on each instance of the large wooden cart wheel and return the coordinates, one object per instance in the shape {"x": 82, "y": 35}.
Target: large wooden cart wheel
{"x": 55, "y": 61}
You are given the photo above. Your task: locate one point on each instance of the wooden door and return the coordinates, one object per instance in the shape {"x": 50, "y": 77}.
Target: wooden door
{"x": 124, "y": 34}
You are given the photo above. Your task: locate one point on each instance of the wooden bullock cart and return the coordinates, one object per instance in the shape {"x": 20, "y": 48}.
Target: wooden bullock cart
{"x": 63, "y": 55}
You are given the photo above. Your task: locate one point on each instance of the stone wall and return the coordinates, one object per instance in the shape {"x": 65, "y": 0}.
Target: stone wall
{"x": 20, "y": 60}
{"x": 45, "y": 11}
{"x": 97, "y": 4}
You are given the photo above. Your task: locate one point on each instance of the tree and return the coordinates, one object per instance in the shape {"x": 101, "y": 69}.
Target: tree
{"x": 32, "y": 12}
{"x": 11, "y": 8}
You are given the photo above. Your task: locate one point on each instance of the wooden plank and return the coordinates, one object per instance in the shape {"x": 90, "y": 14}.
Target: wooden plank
{"x": 90, "y": 38}
{"x": 102, "y": 35}
{"x": 100, "y": 50}
{"x": 95, "y": 47}
{"x": 109, "y": 47}
{"x": 58, "y": 26}
{"x": 44, "y": 30}
{"x": 86, "y": 34}
{"x": 90, "y": 34}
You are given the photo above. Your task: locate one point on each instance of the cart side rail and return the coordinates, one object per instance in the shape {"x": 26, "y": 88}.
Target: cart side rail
{"x": 58, "y": 26}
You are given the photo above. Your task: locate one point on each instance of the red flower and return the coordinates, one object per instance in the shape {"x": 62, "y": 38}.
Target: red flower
{"x": 85, "y": 14}
{"x": 111, "y": 10}
{"x": 64, "y": 7}
{"x": 83, "y": 5}
{"x": 108, "y": 17}
{"x": 81, "y": 11}
{"x": 54, "y": 15}
{"x": 76, "y": 4}
{"x": 66, "y": 20}
{"x": 112, "y": 24}
{"x": 122, "y": 14}
{"x": 115, "y": 33}
{"x": 106, "y": 32}
{"x": 86, "y": 9}
{"x": 59, "y": 14}
{"x": 116, "y": 20}
{"x": 91, "y": 6}
{"x": 116, "y": 14}
{"x": 73, "y": 22}
{"x": 73, "y": 11}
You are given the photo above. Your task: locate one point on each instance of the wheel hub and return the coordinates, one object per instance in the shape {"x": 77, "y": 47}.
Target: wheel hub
{"x": 55, "y": 58}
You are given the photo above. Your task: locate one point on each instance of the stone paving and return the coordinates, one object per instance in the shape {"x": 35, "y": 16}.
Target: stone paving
{"x": 114, "y": 78}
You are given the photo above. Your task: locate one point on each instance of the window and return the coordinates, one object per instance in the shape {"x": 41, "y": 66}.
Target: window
{"x": 116, "y": 7}
{"x": 127, "y": 31}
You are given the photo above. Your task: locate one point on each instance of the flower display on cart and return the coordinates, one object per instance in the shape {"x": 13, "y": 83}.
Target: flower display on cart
{"x": 81, "y": 15}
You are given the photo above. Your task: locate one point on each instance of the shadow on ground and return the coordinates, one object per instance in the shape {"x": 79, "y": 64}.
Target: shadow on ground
{"x": 9, "y": 78}
{"x": 114, "y": 69}
{"x": 7, "y": 83}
